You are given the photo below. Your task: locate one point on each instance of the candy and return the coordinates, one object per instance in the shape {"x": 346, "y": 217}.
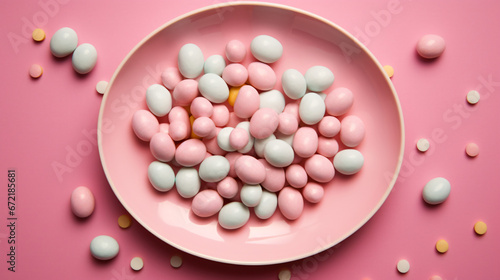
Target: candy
{"x": 311, "y": 108}
{"x": 84, "y": 58}
{"x": 82, "y": 202}
{"x": 233, "y": 215}
{"x": 124, "y": 221}
{"x": 267, "y": 205}
{"x": 290, "y": 203}
{"x": 263, "y": 123}
{"x": 104, "y": 247}
{"x": 261, "y": 76}
{"x": 207, "y": 203}
{"x": 278, "y": 153}
{"x": 247, "y": 102}
{"x": 161, "y": 176}
{"x": 436, "y": 191}
{"x": 187, "y": 182}
{"x": 305, "y": 142}
{"x": 101, "y": 86}
{"x": 137, "y": 263}
{"x": 190, "y": 152}
{"x": 145, "y": 125}
{"x": 251, "y": 194}
{"x": 319, "y": 168}
{"x": 266, "y": 48}
{"x": 318, "y": 78}
{"x": 352, "y": 131}
{"x": 288, "y": 124}
{"x": 162, "y": 147}
{"x": 339, "y": 101}
{"x": 235, "y": 51}
{"x": 313, "y": 192}
{"x": 176, "y": 261}
{"x": 389, "y": 70}
{"x": 159, "y": 100}
{"x": 296, "y": 176}
{"x": 442, "y": 246}
{"x": 185, "y": 92}
{"x": 201, "y": 107}
{"x": 170, "y": 77}
{"x": 223, "y": 139}
{"x": 204, "y": 127}
{"x": 473, "y": 97}
{"x": 180, "y": 126}
{"x": 293, "y": 83}
{"x": 233, "y": 94}
{"x": 214, "y": 64}
{"x": 423, "y": 144}
{"x": 245, "y": 126}
{"x": 220, "y": 115}
{"x": 213, "y": 88}
{"x": 190, "y": 61}
{"x": 480, "y": 228}
{"x": 403, "y": 266}
{"x": 472, "y": 149}
{"x": 235, "y": 74}
{"x": 273, "y": 99}
{"x": 275, "y": 177}
{"x": 431, "y": 46}
{"x": 348, "y": 161}
{"x": 327, "y": 147}
{"x": 36, "y": 71}
{"x": 249, "y": 170}
{"x": 214, "y": 168}
{"x": 228, "y": 187}
{"x": 38, "y": 35}
{"x": 63, "y": 42}
{"x": 329, "y": 126}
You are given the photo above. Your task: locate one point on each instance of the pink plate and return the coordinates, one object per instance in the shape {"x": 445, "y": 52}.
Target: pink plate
{"x": 308, "y": 40}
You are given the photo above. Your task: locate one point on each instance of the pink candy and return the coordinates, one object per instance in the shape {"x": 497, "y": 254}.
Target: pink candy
{"x": 290, "y": 203}
{"x": 145, "y": 125}
{"x": 250, "y": 170}
{"x": 305, "y": 142}
{"x": 185, "y": 92}
{"x": 162, "y": 147}
{"x": 339, "y": 101}
{"x": 207, "y": 203}
{"x": 296, "y": 176}
{"x": 235, "y": 74}
{"x": 263, "y": 123}
{"x": 190, "y": 152}
{"x": 261, "y": 76}
{"x": 352, "y": 131}
{"x": 238, "y": 138}
{"x": 201, "y": 107}
{"x": 313, "y": 192}
{"x": 247, "y": 102}
{"x": 319, "y": 168}
{"x": 235, "y": 51}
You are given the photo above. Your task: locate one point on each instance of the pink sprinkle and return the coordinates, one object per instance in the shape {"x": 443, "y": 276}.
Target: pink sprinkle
{"x": 36, "y": 71}
{"x": 472, "y": 149}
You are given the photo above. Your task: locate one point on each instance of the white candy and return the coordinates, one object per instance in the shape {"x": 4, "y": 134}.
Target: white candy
{"x": 223, "y": 139}
{"x": 251, "y": 194}
{"x": 260, "y": 145}
{"x": 104, "y": 247}
{"x": 187, "y": 182}
{"x": 348, "y": 161}
{"x": 213, "y": 88}
{"x": 190, "y": 61}
{"x": 159, "y": 100}
{"x": 251, "y": 139}
{"x": 233, "y": 215}
{"x": 273, "y": 99}
{"x": 436, "y": 190}
{"x": 214, "y": 168}
{"x": 161, "y": 176}
{"x": 278, "y": 153}
{"x": 287, "y": 138}
{"x": 63, "y": 42}
{"x": 84, "y": 58}
{"x": 214, "y": 64}
{"x": 266, "y": 48}
{"x": 293, "y": 83}
{"x": 318, "y": 78}
{"x": 311, "y": 108}
{"x": 267, "y": 205}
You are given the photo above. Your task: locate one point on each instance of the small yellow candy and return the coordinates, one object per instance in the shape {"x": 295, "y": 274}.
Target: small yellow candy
{"x": 480, "y": 228}
{"x": 389, "y": 70}
{"x": 191, "y": 121}
{"x": 442, "y": 246}
{"x": 233, "y": 93}
{"x": 124, "y": 221}
{"x": 38, "y": 35}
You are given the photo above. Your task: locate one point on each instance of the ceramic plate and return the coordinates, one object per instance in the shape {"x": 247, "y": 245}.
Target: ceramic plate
{"x": 308, "y": 40}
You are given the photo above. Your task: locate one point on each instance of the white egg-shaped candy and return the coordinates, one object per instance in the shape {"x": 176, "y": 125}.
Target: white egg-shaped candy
{"x": 273, "y": 99}
{"x": 63, "y": 42}
{"x": 251, "y": 194}
{"x": 287, "y": 138}
{"x": 161, "y": 176}
{"x": 233, "y": 215}
{"x": 214, "y": 168}
{"x": 267, "y": 205}
{"x": 266, "y": 48}
{"x": 293, "y": 83}
{"x": 159, "y": 100}
{"x": 213, "y": 88}
{"x": 318, "y": 78}
{"x": 104, "y": 247}
{"x": 214, "y": 64}
{"x": 84, "y": 58}
{"x": 190, "y": 61}
{"x": 187, "y": 182}
{"x": 436, "y": 191}
{"x": 311, "y": 108}
{"x": 223, "y": 139}
{"x": 348, "y": 161}
{"x": 251, "y": 140}
{"x": 278, "y": 153}
{"x": 260, "y": 145}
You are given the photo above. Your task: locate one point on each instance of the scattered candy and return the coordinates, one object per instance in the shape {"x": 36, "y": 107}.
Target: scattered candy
{"x": 285, "y": 274}
{"x": 101, "y": 86}
{"x": 137, "y": 263}
{"x": 389, "y": 70}
{"x": 436, "y": 191}
{"x": 84, "y": 58}
{"x": 473, "y": 97}
{"x": 431, "y": 46}
{"x": 38, "y": 35}
{"x": 423, "y": 144}
{"x": 442, "y": 246}
{"x": 104, "y": 247}
{"x": 213, "y": 88}
{"x": 36, "y": 71}
{"x": 63, "y": 42}
{"x": 124, "y": 221}
{"x": 472, "y": 149}
{"x": 82, "y": 202}
{"x": 403, "y": 266}
{"x": 176, "y": 261}
{"x": 480, "y": 228}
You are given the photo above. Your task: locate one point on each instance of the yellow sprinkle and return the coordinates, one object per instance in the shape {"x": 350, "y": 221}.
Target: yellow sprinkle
{"x": 38, "y": 35}
{"x": 233, "y": 93}
{"x": 442, "y": 246}
{"x": 389, "y": 70}
{"x": 124, "y": 221}
{"x": 480, "y": 228}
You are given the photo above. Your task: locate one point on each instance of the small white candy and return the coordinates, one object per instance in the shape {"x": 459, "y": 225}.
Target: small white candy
{"x": 266, "y": 49}
{"x": 101, "y": 86}
{"x": 267, "y": 205}
{"x": 473, "y": 97}
{"x": 403, "y": 266}
{"x": 348, "y": 161}
{"x": 293, "y": 83}
{"x": 311, "y": 108}
{"x": 159, "y": 100}
{"x": 436, "y": 191}
{"x": 260, "y": 144}
{"x": 423, "y": 144}
{"x": 278, "y": 153}
{"x": 63, "y": 42}
{"x": 190, "y": 61}
{"x": 233, "y": 215}
{"x": 104, "y": 247}
{"x": 318, "y": 78}
{"x": 273, "y": 99}
{"x": 251, "y": 139}
{"x": 214, "y": 168}
{"x": 187, "y": 182}
{"x": 84, "y": 58}
{"x": 251, "y": 194}
{"x": 287, "y": 138}
{"x": 213, "y": 88}
{"x": 161, "y": 176}
{"x": 223, "y": 139}
{"x": 214, "y": 64}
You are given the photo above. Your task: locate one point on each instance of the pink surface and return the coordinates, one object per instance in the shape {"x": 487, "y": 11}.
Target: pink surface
{"x": 49, "y": 137}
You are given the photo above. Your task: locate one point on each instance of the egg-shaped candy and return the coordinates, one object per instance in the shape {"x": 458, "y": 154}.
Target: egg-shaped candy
{"x": 327, "y": 147}
{"x": 251, "y": 194}
{"x": 267, "y": 205}
{"x": 313, "y": 192}
{"x": 319, "y": 168}
{"x": 339, "y": 101}
{"x": 290, "y": 203}
{"x": 305, "y": 142}
{"x": 214, "y": 64}
{"x": 348, "y": 161}
{"x": 223, "y": 139}
{"x": 201, "y": 107}
{"x": 247, "y": 102}
{"x": 436, "y": 191}
{"x": 431, "y": 46}
{"x": 329, "y": 126}
{"x": 162, "y": 147}
{"x": 187, "y": 182}
{"x": 161, "y": 176}
{"x": 238, "y": 138}
{"x": 288, "y": 124}
{"x": 249, "y": 170}
{"x": 273, "y": 99}
{"x": 190, "y": 61}
{"x": 235, "y": 74}
{"x": 296, "y": 176}
{"x": 263, "y": 123}
{"x": 220, "y": 115}
{"x": 170, "y": 77}
{"x": 190, "y": 152}
{"x": 278, "y": 153}
{"x": 84, "y": 58}
{"x": 214, "y": 168}
{"x": 260, "y": 144}
{"x": 104, "y": 247}
{"x": 63, "y": 42}
{"x": 311, "y": 108}
{"x": 261, "y": 76}
{"x": 185, "y": 92}
{"x": 275, "y": 177}
{"x": 204, "y": 127}
{"x": 144, "y": 124}
{"x": 235, "y": 51}
{"x": 206, "y": 203}
{"x": 266, "y": 48}
{"x": 318, "y": 78}
{"x": 212, "y": 145}
{"x": 82, "y": 202}
{"x": 246, "y": 127}
{"x": 228, "y": 187}
{"x": 352, "y": 131}
{"x": 213, "y": 88}
{"x": 159, "y": 100}
{"x": 293, "y": 83}
{"x": 233, "y": 215}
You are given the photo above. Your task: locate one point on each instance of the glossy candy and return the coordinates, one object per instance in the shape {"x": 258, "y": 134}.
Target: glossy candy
{"x": 187, "y": 182}
{"x": 263, "y": 123}
{"x": 207, "y": 203}
{"x": 311, "y": 108}
{"x": 319, "y": 168}
{"x": 159, "y": 100}
{"x": 220, "y": 115}
{"x": 190, "y": 61}
{"x": 339, "y": 101}
{"x": 318, "y": 78}
{"x": 185, "y": 92}
{"x": 84, "y": 58}
{"x": 275, "y": 177}
{"x": 235, "y": 51}
{"x": 223, "y": 139}
{"x": 82, "y": 202}
{"x": 162, "y": 147}
{"x": 214, "y": 64}
{"x": 233, "y": 215}
{"x": 288, "y": 124}
{"x": 238, "y": 138}
{"x": 145, "y": 125}
{"x": 190, "y": 152}
{"x": 348, "y": 161}
{"x": 247, "y": 102}
{"x": 327, "y": 147}
{"x": 251, "y": 194}
{"x": 305, "y": 142}
{"x": 296, "y": 176}
{"x": 201, "y": 107}
{"x": 431, "y": 46}
{"x": 261, "y": 76}
{"x": 213, "y": 88}
{"x": 161, "y": 176}
{"x": 63, "y": 42}
{"x": 104, "y": 247}
{"x": 436, "y": 191}
{"x": 313, "y": 192}
{"x": 235, "y": 74}
{"x": 293, "y": 83}
{"x": 273, "y": 99}
{"x": 329, "y": 126}
{"x": 180, "y": 126}
{"x": 266, "y": 48}
{"x": 267, "y": 205}
{"x": 228, "y": 187}
{"x": 214, "y": 168}
{"x": 290, "y": 203}
{"x": 278, "y": 153}
{"x": 250, "y": 170}
{"x": 352, "y": 131}
{"x": 170, "y": 77}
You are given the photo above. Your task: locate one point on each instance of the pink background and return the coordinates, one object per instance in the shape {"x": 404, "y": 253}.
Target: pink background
{"x": 53, "y": 120}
